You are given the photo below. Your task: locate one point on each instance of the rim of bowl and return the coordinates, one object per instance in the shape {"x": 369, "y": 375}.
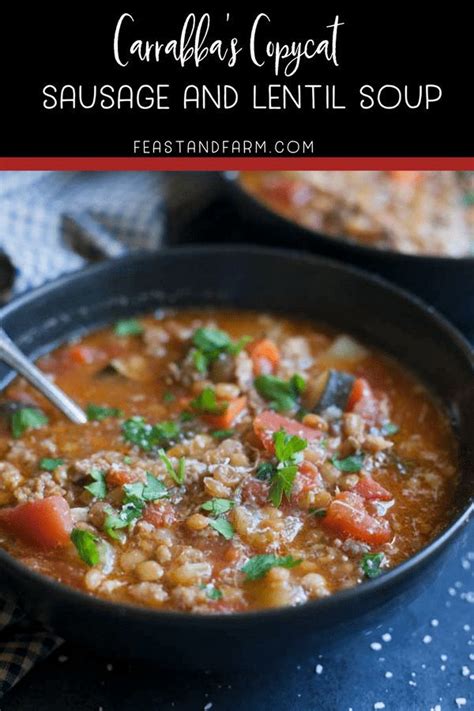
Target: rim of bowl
{"x": 342, "y": 597}
{"x": 231, "y": 178}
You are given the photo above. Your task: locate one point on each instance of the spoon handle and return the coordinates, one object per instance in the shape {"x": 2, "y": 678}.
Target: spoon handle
{"x": 12, "y": 355}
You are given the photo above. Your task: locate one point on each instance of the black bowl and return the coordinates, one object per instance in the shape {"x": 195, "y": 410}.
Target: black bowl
{"x": 260, "y": 279}
{"x": 445, "y": 282}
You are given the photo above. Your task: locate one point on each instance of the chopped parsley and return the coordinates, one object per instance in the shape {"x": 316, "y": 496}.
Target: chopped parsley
{"x": 98, "y": 488}
{"x": 223, "y": 526}
{"x": 371, "y": 564}
{"x": 153, "y": 490}
{"x": 178, "y": 474}
{"x": 265, "y": 471}
{"x": 282, "y": 395}
{"x": 212, "y": 592}
{"x": 100, "y": 412}
{"x": 49, "y": 465}
{"x": 351, "y": 464}
{"x": 389, "y": 428}
{"x": 222, "y": 434}
{"x": 210, "y": 343}
{"x": 28, "y": 418}
{"x": 186, "y": 416}
{"x": 206, "y": 403}
{"x": 128, "y": 327}
{"x": 87, "y": 546}
{"x": 258, "y": 566}
{"x": 137, "y": 431}
{"x": 168, "y": 396}
{"x": 218, "y": 507}
{"x": 288, "y": 450}
{"x": 131, "y": 510}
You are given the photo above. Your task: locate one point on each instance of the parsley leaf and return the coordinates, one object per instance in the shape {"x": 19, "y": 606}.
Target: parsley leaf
{"x": 287, "y": 447}
{"x": 206, "y": 402}
{"x": 282, "y": 395}
{"x": 99, "y": 412}
{"x": 371, "y": 564}
{"x": 168, "y": 396}
{"x": 389, "y": 428}
{"x": 218, "y": 506}
{"x": 153, "y": 490}
{"x": 282, "y": 483}
{"x": 128, "y": 327}
{"x": 210, "y": 343}
{"x": 98, "y": 488}
{"x": 319, "y": 513}
{"x": 350, "y": 464}
{"x": 258, "y": 566}
{"x": 49, "y": 465}
{"x": 137, "y": 431}
{"x": 130, "y": 512}
{"x": 265, "y": 471}
{"x": 27, "y": 418}
{"x": 211, "y": 591}
{"x": 86, "y": 545}
{"x": 222, "y": 434}
{"x": 178, "y": 474}
{"x": 223, "y": 526}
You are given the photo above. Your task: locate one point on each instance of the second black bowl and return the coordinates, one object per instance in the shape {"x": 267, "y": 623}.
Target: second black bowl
{"x": 445, "y": 282}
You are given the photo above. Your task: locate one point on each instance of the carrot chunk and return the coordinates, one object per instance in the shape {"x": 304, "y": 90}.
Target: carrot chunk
{"x": 371, "y": 490}
{"x": 45, "y": 523}
{"x": 359, "y": 390}
{"x": 265, "y": 356}
{"x": 347, "y": 517}
{"x": 269, "y": 422}
{"x": 226, "y": 419}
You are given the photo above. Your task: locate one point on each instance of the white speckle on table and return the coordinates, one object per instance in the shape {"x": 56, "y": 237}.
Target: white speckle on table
{"x": 468, "y": 596}
{"x": 434, "y": 623}
{"x": 465, "y": 564}
{"x": 412, "y": 683}
{"x": 452, "y": 591}
{"x": 208, "y": 706}
{"x": 436, "y": 708}
{"x": 465, "y": 671}
{"x": 443, "y": 667}
{"x": 460, "y": 701}
{"x": 444, "y": 657}
{"x": 466, "y": 628}
{"x": 387, "y": 637}
{"x": 318, "y": 669}
{"x": 379, "y": 705}
{"x": 109, "y": 667}
{"x": 388, "y": 674}
{"x": 427, "y": 639}
{"x": 376, "y": 646}
{"x": 62, "y": 658}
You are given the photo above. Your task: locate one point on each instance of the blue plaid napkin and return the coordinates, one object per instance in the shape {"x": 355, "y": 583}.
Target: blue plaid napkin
{"x": 51, "y": 223}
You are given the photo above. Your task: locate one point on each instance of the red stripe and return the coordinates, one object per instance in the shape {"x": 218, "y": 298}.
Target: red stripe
{"x": 229, "y": 163}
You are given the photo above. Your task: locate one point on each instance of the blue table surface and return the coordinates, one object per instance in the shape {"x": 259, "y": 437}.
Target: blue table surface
{"x": 421, "y": 659}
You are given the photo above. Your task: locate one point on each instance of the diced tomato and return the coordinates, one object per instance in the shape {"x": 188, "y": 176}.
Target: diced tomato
{"x": 371, "y": 490}
{"x": 45, "y": 523}
{"x": 363, "y": 402}
{"x": 160, "y": 514}
{"x": 265, "y": 356}
{"x": 347, "y": 517}
{"x": 119, "y": 477}
{"x": 269, "y": 422}
{"x": 227, "y": 418}
{"x": 82, "y": 355}
{"x": 255, "y": 491}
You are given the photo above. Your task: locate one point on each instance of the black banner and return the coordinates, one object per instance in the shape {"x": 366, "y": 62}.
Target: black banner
{"x": 301, "y": 79}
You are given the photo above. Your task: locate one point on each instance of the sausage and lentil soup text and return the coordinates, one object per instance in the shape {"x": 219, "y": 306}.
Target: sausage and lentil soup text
{"x": 231, "y": 461}
{"x": 415, "y": 212}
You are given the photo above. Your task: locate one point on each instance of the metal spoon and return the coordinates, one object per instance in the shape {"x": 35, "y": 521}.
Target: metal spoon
{"x": 12, "y": 355}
